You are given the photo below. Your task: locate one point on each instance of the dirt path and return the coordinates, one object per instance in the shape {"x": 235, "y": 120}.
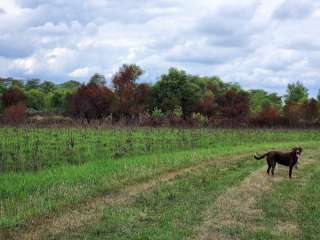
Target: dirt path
{"x": 85, "y": 213}
{"x": 237, "y": 208}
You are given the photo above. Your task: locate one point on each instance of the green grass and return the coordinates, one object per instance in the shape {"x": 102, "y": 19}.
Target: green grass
{"x": 174, "y": 210}
{"x": 26, "y": 195}
{"x": 35, "y": 149}
{"x": 295, "y": 202}
{"x": 290, "y": 210}
{"x": 74, "y": 165}
{"x": 170, "y": 211}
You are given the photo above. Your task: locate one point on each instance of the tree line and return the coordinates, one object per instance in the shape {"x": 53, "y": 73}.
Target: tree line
{"x": 177, "y": 98}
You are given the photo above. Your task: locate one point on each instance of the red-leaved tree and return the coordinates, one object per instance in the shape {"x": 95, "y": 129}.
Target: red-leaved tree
{"x": 311, "y": 110}
{"x": 15, "y": 113}
{"x": 234, "y": 104}
{"x": 207, "y": 104}
{"x": 13, "y": 96}
{"x": 91, "y": 101}
{"x": 127, "y": 91}
{"x": 14, "y": 104}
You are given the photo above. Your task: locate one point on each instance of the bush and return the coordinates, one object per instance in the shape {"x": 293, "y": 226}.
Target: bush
{"x": 15, "y": 113}
{"x": 199, "y": 120}
{"x": 176, "y": 117}
{"x": 13, "y": 96}
{"x": 91, "y": 102}
{"x": 157, "y": 116}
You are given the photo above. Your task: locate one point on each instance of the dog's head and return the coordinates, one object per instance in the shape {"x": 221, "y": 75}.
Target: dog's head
{"x": 297, "y": 151}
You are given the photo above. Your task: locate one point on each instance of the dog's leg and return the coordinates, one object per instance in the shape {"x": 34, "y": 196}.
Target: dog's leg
{"x": 269, "y": 167}
{"x": 273, "y": 167}
{"x": 290, "y": 171}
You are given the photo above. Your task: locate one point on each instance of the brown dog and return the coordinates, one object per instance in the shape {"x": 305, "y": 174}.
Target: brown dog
{"x": 289, "y": 159}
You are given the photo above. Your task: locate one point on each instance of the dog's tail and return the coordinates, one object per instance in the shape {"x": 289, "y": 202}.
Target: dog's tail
{"x": 258, "y": 158}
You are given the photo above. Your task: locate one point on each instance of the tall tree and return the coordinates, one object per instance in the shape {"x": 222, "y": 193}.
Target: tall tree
{"x": 91, "y": 101}
{"x": 32, "y": 84}
{"x": 175, "y": 89}
{"x": 70, "y": 85}
{"x": 125, "y": 88}
{"x": 47, "y": 87}
{"x": 260, "y": 98}
{"x": 311, "y": 110}
{"x": 35, "y": 99}
{"x": 98, "y": 79}
{"x": 13, "y": 96}
{"x": 296, "y": 93}
{"x": 234, "y": 104}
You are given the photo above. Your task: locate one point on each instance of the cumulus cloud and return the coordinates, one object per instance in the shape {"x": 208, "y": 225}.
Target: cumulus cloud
{"x": 295, "y": 9}
{"x": 260, "y": 44}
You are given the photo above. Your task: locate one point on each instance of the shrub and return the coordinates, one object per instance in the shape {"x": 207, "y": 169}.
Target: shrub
{"x": 157, "y": 116}
{"x": 91, "y": 101}
{"x": 15, "y": 113}
{"x": 199, "y": 120}
{"x": 13, "y": 96}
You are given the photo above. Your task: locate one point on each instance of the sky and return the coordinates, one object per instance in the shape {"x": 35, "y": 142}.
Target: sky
{"x": 259, "y": 44}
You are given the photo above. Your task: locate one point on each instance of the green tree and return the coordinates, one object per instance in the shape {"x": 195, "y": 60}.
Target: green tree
{"x": 32, "y": 84}
{"x": 2, "y": 89}
{"x": 98, "y": 79}
{"x": 36, "y": 99}
{"x": 47, "y": 87}
{"x": 17, "y": 83}
{"x": 296, "y": 93}
{"x": 176, "y": 88}
{"x": 70, "y": 85}
{"x": 259, "y": 99}
{"x": 58, "y": 100}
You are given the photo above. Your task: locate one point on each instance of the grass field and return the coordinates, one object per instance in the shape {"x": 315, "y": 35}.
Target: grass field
{"x": 155, "y": 184}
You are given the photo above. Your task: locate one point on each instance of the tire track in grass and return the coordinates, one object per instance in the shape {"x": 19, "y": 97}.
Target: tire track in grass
{"x": 85, "y": 213}
{"x": 235, "y": 212}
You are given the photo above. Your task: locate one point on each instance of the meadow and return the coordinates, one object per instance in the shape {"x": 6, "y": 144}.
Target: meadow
{"x": 155, "y": 183}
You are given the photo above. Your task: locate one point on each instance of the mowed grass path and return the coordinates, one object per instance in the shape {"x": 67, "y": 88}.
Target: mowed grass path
{"x": 232, "y": 200}
{"x": 170, "y": 209}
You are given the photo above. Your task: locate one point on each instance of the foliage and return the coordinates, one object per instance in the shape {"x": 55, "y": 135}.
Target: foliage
{"x": 47, "y": 87}
{"x": 260, "y": 98}
{"x": 234, "y": 104}
{"x": 225, "y": 104}
{"x": 175, "y": 89}
{"x": 199, "y": 120}
{"x": 32, "y": 84}
{"x": 126, "y": 89}
{"x": 15, "y": 113}
{"x": 35, "y": 99}
{"x": 294, "y": 113}
{"x": 58, "y": 100}
{"x": 157, "y": 114}
{"x": 207, "y": 104}
{"x": 98, "y": 79}
{"x": 13, "y": 96}
{"x": 296, "y": 93}
{"x": 70, "y": 85}
{"x": 91, "y": 102}
{"x": 311, "y": 110}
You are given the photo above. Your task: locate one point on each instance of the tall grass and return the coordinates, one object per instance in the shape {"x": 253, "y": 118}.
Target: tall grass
{"x": 33, "y": 149}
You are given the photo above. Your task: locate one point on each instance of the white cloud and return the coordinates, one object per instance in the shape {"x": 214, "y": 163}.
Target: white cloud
{"x": 80, "y": 73}
{"x": 257, "y": 43}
